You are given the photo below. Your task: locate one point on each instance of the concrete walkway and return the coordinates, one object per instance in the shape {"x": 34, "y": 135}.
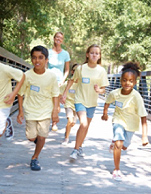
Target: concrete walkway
{"x": 91, "y": 175}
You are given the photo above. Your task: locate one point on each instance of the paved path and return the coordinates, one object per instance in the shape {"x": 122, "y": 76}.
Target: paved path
{"x": 91, "y": 175}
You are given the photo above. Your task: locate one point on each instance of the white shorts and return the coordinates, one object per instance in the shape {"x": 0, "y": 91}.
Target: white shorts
{"x": 4, "y": 114}
{"x": 71, "y": 113}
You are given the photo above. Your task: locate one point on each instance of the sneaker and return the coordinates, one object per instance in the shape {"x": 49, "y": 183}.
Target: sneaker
{"x": 34, "y": 165}
{"x": 74, "y": 154}
{"x": 116, "y": 175}
{"x": 9, "y": 132}
{"x": 80, "y": 152}
{"x": 111, "y": 148}
{"x": 66, "y": 141}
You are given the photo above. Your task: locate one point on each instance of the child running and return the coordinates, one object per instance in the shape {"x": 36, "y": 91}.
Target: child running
{"x": 92, "y": 79}
{"x": 69, "y": 106}
{"x": 41, "y": 93}
{"x": 129, "y": 109}
{"x": 7, "y": 96}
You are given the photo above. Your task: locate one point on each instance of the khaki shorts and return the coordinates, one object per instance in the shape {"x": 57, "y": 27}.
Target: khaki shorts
{"x": 71, "y": 113}
{"x": 37, "y": 128}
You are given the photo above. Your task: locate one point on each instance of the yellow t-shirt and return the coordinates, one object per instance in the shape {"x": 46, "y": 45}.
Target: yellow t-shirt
{"x": 128, "y": 109}
{"x": 6, "y": 74}
{"x": 39, "y": 90}
{"x": 87, "y": 78}
{"x": 70, "y": 95}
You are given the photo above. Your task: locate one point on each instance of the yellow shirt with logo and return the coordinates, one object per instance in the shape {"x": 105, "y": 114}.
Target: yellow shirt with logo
{"x": 128, "y": 109}
{"x": 39, "y": 90}
{"x": 70, "y": 95}
{"x": 7, "y": 73}
{"x": 87, "y": 78}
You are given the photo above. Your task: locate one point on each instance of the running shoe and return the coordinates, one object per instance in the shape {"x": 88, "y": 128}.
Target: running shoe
{"x": 9, "y": 132}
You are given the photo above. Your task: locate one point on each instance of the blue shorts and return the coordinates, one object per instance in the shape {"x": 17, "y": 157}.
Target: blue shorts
{"x": 119, "y": 133}
{"x": 90, "y": 111}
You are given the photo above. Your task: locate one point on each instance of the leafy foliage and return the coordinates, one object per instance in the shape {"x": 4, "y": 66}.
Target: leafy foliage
{"x": 122, "y": 28}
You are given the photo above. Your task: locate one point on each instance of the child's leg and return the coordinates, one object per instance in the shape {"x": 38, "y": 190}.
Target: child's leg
{"x": 118, "y": 138}
{"x": 37, "y": 130}
{"x": 68, "y": 126}
{"x": 85, "y": 118}
{"x": 90, "y": 112}
{"x": 70, "y": 123}
{"x": 82, "y": 139}
{"x": 117, "y": 153}
{"x": 39, "y": 145}
{"x": 83, "y": 128}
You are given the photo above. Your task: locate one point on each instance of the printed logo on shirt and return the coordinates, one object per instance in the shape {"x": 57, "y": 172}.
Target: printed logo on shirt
{"x": 72, "y": 91}
{"x": 119, "y": 104}
{"x": 85, "y": 80}
{"x": 35, "y": 88}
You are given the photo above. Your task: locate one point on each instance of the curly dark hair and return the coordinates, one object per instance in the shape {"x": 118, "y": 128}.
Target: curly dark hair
{"x": 131, "y": 67}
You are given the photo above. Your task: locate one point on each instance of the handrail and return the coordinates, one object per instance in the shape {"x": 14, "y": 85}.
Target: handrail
{"x": 8, "y": 58}
{"x": 143, "y": 84}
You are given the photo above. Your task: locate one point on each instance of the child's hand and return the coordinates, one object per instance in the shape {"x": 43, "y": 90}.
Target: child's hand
{"x": 9, "y": 98}
{"x": 104, "y": 117}
{"x": 20, "y": 118}
{"x": 96, "y": 88}
{"x": 145, "y": 140}
{"x": 59, "y": 109}
{"x": 63, "y": 99}
{"x": 60, "y": 84}
{"x": 55, "y": 117}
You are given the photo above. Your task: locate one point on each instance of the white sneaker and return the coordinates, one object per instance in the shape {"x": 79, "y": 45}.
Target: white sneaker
{"x": 80, "y": 152}
{"x": 74, "y": 154}
{"x": 66, "y": 141}
{"x": 117, "y": 175}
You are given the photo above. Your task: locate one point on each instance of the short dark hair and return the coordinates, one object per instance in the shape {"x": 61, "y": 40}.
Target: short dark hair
{"x": 40, "y": 48}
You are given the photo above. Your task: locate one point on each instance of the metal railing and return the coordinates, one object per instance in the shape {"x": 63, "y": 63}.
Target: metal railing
{"x": 8, "y": 58}
{"x": 143, "y": 86}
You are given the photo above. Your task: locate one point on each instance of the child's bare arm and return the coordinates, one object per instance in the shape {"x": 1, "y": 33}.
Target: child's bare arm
{"x": 105, "y": 115}
{"x": 9, "y": 98}
{"x": 55, "y": 117}
{"x": 20, "y": 116}
{"x": 63, "y": 98}
{"x": 99, "y": 90}
{"x": 144, "y": 131}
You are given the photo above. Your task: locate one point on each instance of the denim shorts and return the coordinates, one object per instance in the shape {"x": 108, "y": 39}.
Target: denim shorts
{"x": 90, "y": 111}
{"x": 119, "y": 133}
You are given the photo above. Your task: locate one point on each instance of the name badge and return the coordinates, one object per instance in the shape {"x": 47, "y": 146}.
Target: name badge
{"x": 85, "y": 80}
{"x": 119, "y": 104}
{"x": 35, "y": 88}
{"x": 72, "y": 91}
